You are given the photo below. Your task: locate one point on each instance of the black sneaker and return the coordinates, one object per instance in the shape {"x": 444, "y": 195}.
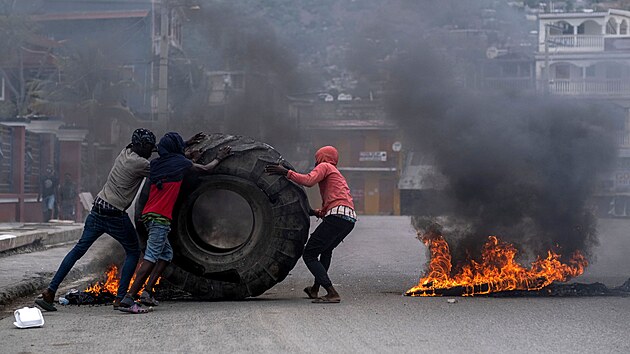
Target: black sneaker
{"x": 46, "y": 301}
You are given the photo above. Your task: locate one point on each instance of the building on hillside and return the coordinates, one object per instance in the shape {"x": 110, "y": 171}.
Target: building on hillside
{"x": 139, "y": 40}
{"x": 508, "y": 71}
{"x": 133, "y": 36}
{"x": 421, "y": 186}
{"x": 368, "y": 145}
{"x": 27, "y": 148}
{"x": 587, "y": 56}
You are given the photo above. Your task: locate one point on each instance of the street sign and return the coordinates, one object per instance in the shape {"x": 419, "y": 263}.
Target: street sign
{"x": 397, "y": 146}
{"x": 373, "y": 156}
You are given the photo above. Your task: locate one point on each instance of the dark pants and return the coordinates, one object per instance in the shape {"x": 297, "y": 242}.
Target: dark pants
{"x": 118, "y": 227}
{"x": 322, "y": 242}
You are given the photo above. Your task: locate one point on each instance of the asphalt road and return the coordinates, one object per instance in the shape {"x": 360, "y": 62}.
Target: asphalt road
{"x": 378, "y": 262}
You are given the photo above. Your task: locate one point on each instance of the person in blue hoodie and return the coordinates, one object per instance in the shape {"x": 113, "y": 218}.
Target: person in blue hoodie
{"x": 166, "y": 176}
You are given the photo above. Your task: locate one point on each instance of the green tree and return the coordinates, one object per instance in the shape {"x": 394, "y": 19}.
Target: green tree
{"x": 17, "y": 35}
{"x": 92, "y": 87}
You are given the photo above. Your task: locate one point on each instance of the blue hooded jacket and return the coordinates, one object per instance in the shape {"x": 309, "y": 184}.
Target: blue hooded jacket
{"x": 171, "y": 165}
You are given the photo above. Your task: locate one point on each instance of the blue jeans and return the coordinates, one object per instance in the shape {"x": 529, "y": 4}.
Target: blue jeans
{"x": 158, "y": 246}
{"x": 118, "y": 227}
{"x": 48, "y": 203}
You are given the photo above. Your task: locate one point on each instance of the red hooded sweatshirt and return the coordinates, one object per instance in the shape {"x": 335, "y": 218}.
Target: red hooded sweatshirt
{"x": 332, "y": 185}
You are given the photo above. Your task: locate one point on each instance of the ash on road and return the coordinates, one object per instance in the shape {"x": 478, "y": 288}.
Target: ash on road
{"x": 379, "y": 261}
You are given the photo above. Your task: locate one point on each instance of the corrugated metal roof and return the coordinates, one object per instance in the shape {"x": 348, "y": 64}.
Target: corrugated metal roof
{"x": 92, "y": 15}
{"x": 560, "y": 15}
{"x": 350, "y": 124}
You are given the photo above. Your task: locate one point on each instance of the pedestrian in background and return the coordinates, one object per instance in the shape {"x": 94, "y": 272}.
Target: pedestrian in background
{"x": 337, "y": 213}
{"x": 68, "y": 198}
{"x": 47, "y": 193}
{"x": 108, "y": 215}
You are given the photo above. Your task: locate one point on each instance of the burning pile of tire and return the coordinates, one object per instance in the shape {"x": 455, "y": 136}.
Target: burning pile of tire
{"x": 237, "y": 232}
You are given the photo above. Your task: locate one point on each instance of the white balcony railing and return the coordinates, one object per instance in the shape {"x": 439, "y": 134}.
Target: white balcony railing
{"x": 591, "y": 87}
{"x": 509, "y": 83}
{"x": 623, "y": 139}
{"x": 579, "y": 42}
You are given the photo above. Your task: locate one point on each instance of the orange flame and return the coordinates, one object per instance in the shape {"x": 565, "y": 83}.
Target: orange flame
{"x": 112, "y": 282}
{"x": 497, "y": 270}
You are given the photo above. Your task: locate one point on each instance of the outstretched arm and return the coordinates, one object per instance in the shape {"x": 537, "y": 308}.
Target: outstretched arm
{"x": 308, "y": 180}
{"x": 223, "y": 153}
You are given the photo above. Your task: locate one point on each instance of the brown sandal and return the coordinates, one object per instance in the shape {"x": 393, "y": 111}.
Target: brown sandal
{"x": 307, "y": 290}
{"x": 323, "y": 300}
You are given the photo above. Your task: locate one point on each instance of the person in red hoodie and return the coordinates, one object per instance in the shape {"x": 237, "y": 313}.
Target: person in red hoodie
{"x": 337, "y": 213}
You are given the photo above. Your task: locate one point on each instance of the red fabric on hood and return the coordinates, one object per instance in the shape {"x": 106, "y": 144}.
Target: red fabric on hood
{"x": 333, "y": 186}
{"x": 327, "y": 154}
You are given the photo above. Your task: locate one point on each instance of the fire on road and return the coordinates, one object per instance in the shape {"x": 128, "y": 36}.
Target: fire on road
{"x": 373, "y": 268}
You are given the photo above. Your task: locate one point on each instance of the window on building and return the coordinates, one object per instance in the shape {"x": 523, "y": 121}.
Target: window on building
{"x": 580, "y": 29}
{"x": 567, "y": 28}
{"x": 590, "y": 71}
{"x": 127, "y": 72}
{"x": 238, "y": 81}
{"x": 510, "y": 70}
{"x": 561, "y": 28}
{"x": 613, "y": 71}
{"x": 492, "y": 70}
{"x": 563, "y": 71}
{"x": 157, "y": 25}
{"x": 611, "y": 26}
{"x": 2, "y": 89}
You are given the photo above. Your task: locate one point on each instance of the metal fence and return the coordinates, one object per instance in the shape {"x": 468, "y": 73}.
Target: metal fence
{"x": 32, "y": 163}
{"x": 6, "y": 159}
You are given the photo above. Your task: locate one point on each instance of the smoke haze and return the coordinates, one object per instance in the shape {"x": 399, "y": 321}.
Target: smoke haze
{"x": 521, "y": 167}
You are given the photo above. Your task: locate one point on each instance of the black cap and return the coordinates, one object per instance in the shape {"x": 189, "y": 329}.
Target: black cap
{"x": 141, "y": 136}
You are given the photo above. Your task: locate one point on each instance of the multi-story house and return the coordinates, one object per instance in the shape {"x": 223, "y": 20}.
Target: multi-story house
{"x": 586, "y": 55}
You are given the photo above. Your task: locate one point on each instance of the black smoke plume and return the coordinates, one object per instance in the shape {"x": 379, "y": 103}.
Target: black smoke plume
{"x": 519, "y": 167}
{"x": 225, "y": 37}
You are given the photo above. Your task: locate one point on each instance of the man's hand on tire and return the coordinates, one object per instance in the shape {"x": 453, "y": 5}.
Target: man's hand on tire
{"x": 197, "y": 138}
{"x": 276, "y": 170}
{"x": 224, "y": 153}
{"x": 193, "y": 155}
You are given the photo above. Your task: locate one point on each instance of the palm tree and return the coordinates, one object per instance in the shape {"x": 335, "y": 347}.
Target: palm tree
{"x": 18, "y": 38}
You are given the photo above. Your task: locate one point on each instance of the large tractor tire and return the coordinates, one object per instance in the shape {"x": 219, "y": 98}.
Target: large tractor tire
{"x": 238, "y": 231}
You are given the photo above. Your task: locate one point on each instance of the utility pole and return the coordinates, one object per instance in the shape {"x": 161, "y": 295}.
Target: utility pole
{"x": 546, "y": 76}
{"x": 162, "y": 104}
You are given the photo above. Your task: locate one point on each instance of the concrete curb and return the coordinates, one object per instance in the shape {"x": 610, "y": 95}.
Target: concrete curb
{"x": 42, "y": 264}
{"x": 36, "y": 284}
{"x": 9, "y": 241}
{"x": 47, "y": 234}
